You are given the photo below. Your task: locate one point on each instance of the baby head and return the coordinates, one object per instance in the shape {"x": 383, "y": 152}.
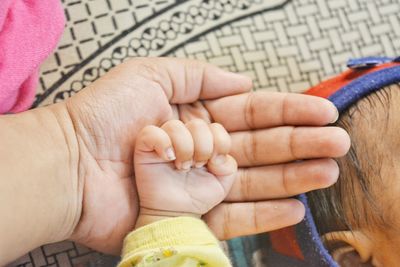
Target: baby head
{"x": 356, "y": 222}
{"x": 359, "y": 217}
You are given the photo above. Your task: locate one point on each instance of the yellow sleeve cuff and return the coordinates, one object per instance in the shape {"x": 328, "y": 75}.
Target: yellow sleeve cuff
{"x": 179, "y": 242}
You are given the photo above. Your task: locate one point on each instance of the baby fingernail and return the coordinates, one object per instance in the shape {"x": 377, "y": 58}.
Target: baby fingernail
{"x": 220, "y": 159}
{"x": 170, "y": 153}
{"x": 200, "y": 164}
{"x": 186, "y": 165}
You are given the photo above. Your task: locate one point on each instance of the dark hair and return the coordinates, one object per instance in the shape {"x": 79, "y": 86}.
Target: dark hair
{"x": 352, "y": 203}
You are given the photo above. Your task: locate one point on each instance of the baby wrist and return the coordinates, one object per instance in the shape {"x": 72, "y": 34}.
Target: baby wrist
{"x": 147, "y": 216}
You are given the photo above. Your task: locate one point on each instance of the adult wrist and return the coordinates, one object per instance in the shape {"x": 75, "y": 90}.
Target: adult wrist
{"x": 40, "y": 192}
{"x": 70, "y": 160}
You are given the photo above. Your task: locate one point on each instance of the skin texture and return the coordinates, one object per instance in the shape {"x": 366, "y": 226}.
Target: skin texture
{"x": 38, "y": 191}
{"x": 167, "y": 188}
{"x": 83, "y": 151}
{"x": 374, "y": 128}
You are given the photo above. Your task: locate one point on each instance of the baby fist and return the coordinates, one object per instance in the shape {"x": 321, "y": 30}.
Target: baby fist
{"x": 182, "y": 169}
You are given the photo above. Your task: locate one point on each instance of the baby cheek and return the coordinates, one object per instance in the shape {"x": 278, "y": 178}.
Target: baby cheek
{"x": 386, "y": 258}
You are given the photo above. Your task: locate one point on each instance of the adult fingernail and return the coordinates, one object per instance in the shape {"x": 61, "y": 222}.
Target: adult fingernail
{"x": 170, "y": 153}
{"x": 200, "y": 164}
{"x": 220, "y": 159}
{"x": 186, "y": 165}
{"x": 336, "y": 114}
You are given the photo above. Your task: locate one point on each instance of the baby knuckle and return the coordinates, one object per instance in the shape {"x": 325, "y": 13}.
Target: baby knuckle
{"x": 203, "y": 153}
{"x": 196, "y": 123}
{"x": 173, "y": 125}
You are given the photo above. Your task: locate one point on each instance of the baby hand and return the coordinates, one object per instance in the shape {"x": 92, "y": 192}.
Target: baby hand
{"x": 182, "y": 169}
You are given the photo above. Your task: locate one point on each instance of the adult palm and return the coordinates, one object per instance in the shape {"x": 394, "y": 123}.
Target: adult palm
{"x": 108, "y": 114}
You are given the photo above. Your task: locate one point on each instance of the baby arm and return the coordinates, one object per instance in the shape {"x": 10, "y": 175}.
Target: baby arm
{"x": 182, "y": 171}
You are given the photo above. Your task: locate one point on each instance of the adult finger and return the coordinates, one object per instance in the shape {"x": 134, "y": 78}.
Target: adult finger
{"x": 186, "y": 80}
{"x": 282, "y": 181}
{"x": 285, "y": 144}
{"x": 260, "y": 109}
{"x": 229, "y": 220}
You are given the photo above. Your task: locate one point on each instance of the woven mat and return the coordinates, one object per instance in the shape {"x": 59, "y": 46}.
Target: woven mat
{"x": 284, "y": 45}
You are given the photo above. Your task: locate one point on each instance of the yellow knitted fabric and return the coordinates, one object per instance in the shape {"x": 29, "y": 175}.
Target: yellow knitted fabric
{"x": 178, "y": 242}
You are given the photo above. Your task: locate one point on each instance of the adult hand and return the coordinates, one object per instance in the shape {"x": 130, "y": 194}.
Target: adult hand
{"x": 269, "y": 132}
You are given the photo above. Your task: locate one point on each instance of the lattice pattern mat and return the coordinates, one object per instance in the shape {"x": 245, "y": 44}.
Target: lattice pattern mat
{"x": 285, "y": 45}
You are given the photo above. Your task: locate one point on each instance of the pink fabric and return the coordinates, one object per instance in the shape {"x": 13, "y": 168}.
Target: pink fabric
{"x": 29, "y": 31}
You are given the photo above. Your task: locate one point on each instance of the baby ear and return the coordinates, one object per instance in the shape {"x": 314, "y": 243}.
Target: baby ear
{"x": 350, "y": 248}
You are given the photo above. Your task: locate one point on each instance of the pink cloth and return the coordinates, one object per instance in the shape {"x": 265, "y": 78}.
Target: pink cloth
{"x": 29, "y": 31}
